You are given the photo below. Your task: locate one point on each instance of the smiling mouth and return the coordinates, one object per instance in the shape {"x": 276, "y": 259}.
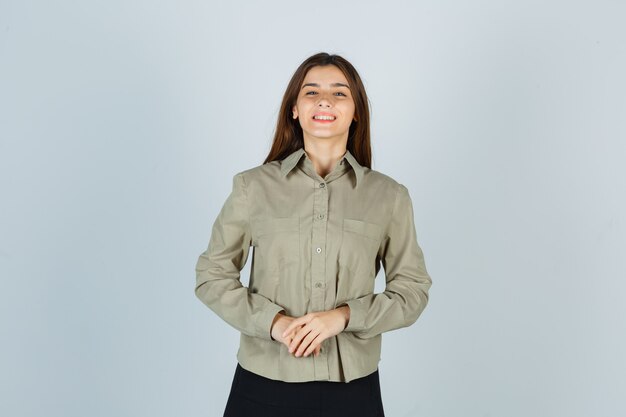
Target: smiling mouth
{"x": 324, "y": 119}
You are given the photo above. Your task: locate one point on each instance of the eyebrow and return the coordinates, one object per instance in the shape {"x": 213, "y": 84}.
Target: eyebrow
{"x": 332, "y": 85}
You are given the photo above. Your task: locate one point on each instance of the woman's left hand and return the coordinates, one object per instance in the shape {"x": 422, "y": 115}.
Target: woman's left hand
{"x": 316, "y": 327}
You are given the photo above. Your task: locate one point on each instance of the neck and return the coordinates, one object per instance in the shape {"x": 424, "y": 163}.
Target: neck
{"x": 324, "y": 156}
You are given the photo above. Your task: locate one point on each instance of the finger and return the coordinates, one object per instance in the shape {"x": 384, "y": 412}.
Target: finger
{"x": 311, "y": 346}
{"x": 292, "y": 325}
{"x": 297, "y": 339}
{"x": 316, "y": 346}
{"x": 306, "y": 343}
{"x": 289, "y": 338}
{"x": 300, "y": 321}
{"x": 287, "y": 330}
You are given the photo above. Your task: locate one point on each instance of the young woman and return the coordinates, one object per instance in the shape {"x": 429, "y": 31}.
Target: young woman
{"x": 322, "y": 223}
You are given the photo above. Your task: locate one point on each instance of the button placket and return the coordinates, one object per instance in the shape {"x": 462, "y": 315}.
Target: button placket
{"x": 318, "y": 266}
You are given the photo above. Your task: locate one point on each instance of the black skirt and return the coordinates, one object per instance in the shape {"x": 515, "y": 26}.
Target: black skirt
{"x": 253, "y": 395}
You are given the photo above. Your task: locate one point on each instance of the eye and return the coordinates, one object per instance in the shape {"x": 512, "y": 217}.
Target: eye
{"x": 315, "y": 92}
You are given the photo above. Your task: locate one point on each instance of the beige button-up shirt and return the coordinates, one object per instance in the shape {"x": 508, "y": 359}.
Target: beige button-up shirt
{"x": 318, "y": 244}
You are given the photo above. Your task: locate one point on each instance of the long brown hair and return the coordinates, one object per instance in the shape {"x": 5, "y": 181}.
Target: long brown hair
{"x": 288, "y": 135}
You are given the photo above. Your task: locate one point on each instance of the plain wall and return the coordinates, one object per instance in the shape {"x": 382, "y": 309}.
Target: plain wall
{"x": 123, "y": 122}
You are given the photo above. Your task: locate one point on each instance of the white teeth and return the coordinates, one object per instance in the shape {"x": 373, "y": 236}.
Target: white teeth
{"x": 324, "y": 117}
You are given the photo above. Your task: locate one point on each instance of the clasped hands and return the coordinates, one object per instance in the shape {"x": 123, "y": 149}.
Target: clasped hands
{"x": 304, "y": 335}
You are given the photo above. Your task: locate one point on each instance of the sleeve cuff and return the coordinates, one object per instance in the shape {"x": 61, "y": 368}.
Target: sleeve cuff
{"x": 264, "y": 322}
{"x": 357, "y": 316}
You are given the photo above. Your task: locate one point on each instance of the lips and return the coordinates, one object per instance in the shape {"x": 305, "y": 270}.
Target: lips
{"x": 324, "y": 117}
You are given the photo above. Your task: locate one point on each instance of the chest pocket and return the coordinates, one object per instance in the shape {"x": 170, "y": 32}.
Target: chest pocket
{"x": 277, "y": 241}
{"x": 359, "y": 245}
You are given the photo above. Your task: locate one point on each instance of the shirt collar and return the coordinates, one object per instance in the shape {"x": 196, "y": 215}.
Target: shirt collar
{"x": 291, "y": 161}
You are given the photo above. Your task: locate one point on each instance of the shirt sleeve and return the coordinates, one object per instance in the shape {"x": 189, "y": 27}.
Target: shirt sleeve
{"x": 407, "y": 280}
{"x": 218, "y": 270}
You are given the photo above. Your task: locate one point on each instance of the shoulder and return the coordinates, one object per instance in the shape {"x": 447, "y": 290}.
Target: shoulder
{"x": 378, "y": 179}
{"x": 258, "y": 173}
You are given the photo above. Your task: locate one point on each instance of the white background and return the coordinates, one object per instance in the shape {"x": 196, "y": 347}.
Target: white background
{"x": 122, "y": 123}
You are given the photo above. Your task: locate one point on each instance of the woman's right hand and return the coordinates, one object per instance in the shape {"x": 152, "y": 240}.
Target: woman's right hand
{"x": 280, "y": 324}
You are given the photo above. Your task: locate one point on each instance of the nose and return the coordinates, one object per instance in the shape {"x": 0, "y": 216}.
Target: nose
{"x": 324, "y": 101}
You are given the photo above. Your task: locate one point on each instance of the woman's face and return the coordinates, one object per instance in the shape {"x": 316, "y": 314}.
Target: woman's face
{"x": 324, "y": 91}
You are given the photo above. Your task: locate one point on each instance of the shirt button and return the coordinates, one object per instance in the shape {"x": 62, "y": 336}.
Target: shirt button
{"x": 321, "y": 216}
{"x": 318, "y": 284}
{"x": 318, "y": 250}
{"x": 322, "y": 185}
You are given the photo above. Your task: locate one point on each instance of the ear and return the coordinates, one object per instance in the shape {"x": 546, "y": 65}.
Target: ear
{"x": 294, "y": 112}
